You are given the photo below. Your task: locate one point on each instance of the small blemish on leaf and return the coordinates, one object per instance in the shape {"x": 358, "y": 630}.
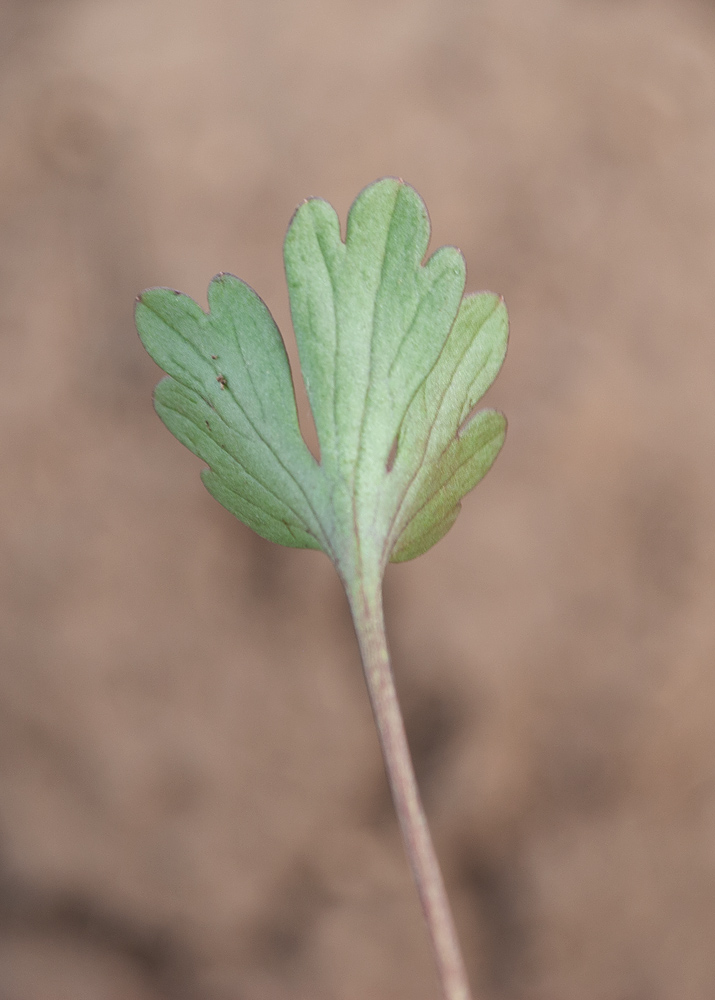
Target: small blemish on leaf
{"x": 214, "y": 357}
{"x": 222, "y": 381}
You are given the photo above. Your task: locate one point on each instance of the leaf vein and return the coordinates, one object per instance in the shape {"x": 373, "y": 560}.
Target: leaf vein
{"x": 445, "y": 484}
{"x": 360, "y": 447}
{"x": 244, "y": 469}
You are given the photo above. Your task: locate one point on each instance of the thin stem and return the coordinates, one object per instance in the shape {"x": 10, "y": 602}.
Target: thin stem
{"x": 368, "y": 618}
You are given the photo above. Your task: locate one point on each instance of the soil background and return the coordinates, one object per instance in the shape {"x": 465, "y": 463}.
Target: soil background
{"x": 192, "y": 802}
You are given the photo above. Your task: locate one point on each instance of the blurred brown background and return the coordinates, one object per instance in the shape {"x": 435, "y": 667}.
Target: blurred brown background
{"x": 192, "y": 802}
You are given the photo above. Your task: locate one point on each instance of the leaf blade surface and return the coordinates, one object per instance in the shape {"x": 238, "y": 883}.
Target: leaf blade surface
{"x": 394, "y": 360}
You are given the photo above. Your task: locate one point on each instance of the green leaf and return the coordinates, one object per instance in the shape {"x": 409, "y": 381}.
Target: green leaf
{"x": 229, "y": 398}
{"x": 394, "y": 361}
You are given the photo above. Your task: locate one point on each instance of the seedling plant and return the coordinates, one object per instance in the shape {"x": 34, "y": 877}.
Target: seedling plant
{"x": 395, "y": 358}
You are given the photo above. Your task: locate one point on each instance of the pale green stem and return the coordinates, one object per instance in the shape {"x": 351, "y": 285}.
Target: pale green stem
{"x": 366, "y": 607}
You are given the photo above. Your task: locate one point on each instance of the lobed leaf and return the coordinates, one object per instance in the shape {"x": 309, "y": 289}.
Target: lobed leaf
{"x": 394, "y": 361}
{"x": 229, "y": 399}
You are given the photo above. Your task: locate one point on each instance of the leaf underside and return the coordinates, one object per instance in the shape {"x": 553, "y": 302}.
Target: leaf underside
{"x": 394, "y": 360}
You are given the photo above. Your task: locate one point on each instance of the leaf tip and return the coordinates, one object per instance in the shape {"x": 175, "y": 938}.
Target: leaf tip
{"x": 223, "y": 278}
